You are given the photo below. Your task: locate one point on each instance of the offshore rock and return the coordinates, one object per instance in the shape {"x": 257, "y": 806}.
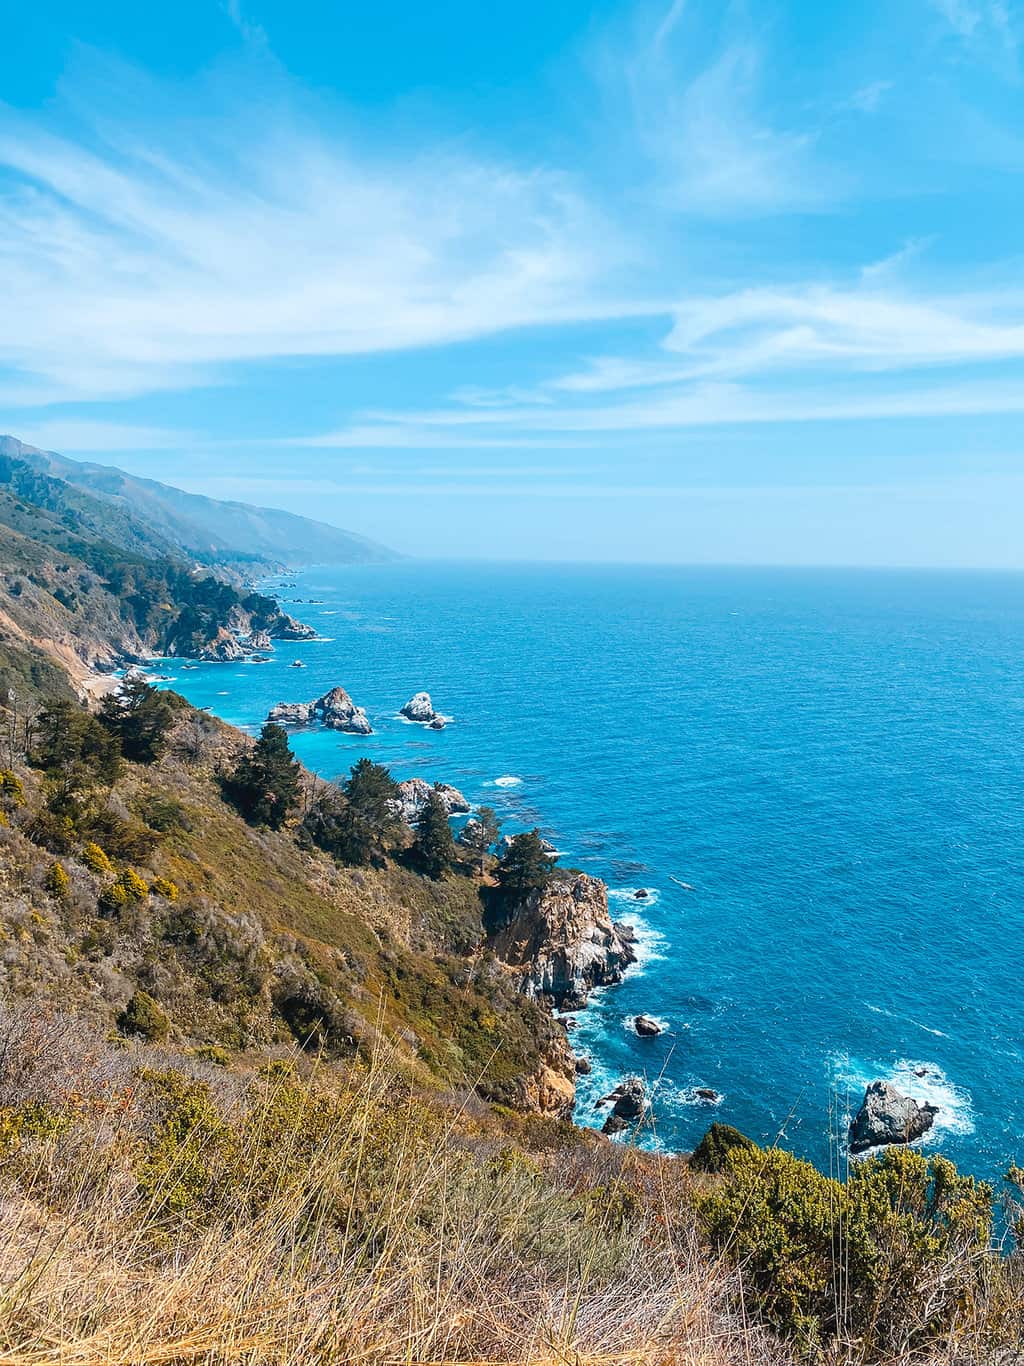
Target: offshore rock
{"x": 420, "y": 708}
{"x": 413, "y": 794}
{"x": 335, "y": 710}
{"x": 888, "y": 1116}
{"x": 646, "y": 1027}
{"x": 628, "y": 1101}
{"x": 562, "y": 941}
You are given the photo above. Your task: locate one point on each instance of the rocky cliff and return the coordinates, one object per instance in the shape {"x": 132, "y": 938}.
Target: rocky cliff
{"x": 563, "y": 942}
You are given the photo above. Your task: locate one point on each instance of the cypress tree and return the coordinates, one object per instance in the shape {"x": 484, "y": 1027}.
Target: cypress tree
{"x": 435, "y": 844}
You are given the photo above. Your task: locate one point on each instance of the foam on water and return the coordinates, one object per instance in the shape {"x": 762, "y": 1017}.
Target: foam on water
{"x": 820, "y": 781}
{"x": 955, "y": 1107}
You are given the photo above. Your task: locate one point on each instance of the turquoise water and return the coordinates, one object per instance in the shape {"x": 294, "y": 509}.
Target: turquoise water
{"x": 832, "y": 761}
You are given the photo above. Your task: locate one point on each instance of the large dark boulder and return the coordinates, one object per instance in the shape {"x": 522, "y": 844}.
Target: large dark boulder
{"x": 888, "y": 1116}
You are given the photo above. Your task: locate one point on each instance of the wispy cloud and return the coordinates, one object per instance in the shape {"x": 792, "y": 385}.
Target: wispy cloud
{"x": 136, "y": 257}
{"x": 73, "y": 435}
{"x": 757, "y": 356}
{"x": 716, "y": 145}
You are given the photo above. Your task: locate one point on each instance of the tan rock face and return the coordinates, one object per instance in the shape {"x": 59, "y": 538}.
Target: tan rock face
{"x": 564, "y": 942}
{"x": 550, "y": 1092}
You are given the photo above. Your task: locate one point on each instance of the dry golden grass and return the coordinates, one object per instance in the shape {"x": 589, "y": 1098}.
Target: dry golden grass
{"x": 399, "y": 1236}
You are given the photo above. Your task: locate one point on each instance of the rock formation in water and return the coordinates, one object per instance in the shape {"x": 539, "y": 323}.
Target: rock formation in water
{"x": 563, "y": 942}
{"x": 888, "y": 1116}
{"x": 645, "y": 1026}
{"x": 335, "y": 710}
{"x": 628, "y": 1102}
{"x": 287, "y": 628}
{"x": 420, "y": 708}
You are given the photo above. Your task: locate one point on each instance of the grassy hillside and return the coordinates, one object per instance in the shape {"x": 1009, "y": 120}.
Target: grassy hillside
{"x": 248, "y": 539}
{"x": 268, "y": 1097}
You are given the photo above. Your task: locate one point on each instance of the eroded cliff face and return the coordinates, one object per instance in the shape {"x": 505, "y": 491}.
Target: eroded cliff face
{"x": 551, "y": 1089}
{"x": 563, "y": 942}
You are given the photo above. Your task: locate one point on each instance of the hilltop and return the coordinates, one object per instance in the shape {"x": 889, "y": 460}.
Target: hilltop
{"x": 227, "y": 535}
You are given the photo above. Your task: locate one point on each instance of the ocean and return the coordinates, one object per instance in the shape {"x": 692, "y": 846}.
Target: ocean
{"x": 818, "y": 776}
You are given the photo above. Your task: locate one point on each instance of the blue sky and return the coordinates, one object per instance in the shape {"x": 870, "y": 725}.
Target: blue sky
{"x": 682, "y": 281}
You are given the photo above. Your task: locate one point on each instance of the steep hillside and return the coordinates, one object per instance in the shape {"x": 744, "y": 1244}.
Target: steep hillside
{"x": 88, "y": 585}
{"x": 250, "y": 540}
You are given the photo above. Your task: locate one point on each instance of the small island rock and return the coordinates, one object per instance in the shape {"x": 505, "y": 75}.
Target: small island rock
{"x": 335, "y": 710}
{"x": 420, "y": 708}
{"x": 888, "y": 1116}
{"x": 628, "y": 1102}
{"x": 646, "y": 1027}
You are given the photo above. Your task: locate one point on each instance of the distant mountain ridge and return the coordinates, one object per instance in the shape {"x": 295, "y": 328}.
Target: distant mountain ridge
{"x": 238, "y": 536}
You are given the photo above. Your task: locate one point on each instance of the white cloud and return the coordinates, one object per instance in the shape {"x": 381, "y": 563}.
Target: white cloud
{"x": 990, "y": 27}
{"x": 868, "y": 99}
{"x": 134, "y": 258}
{"x": 719, "y": 147}
{"x": 756, "y": 356}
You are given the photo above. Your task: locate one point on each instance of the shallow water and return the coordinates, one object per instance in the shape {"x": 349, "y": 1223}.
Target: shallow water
{"x": 832, "y": 761}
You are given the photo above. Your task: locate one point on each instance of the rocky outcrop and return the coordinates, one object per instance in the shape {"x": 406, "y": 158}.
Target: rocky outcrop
{"x": 221, "y": 648}
{"x": 563, "y": 942}
{"x": 646, "y": 1027}
{"x": 335, "y": 710}
{"x": 413, "y": 794}
{"x": 628, "y": 1102}
{"x": 287, "y": 628}
{"x": 888, "y": 1116}
{"x": 260, "y": 640}
{"x": 420, "y": 708}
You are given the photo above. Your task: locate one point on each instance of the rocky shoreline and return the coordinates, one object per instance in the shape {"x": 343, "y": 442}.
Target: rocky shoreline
{"x": 560, "y": 942}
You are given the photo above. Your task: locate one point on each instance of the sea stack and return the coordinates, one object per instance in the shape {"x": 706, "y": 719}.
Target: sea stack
{"x": 335, "y": 710}
{"x": 888, "y": 1116}
{"x": 563, "y": 942}
{"x": 421, "y": 708}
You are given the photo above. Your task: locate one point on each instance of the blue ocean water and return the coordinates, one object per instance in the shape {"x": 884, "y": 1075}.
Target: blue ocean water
{"x": 832, "y": 762}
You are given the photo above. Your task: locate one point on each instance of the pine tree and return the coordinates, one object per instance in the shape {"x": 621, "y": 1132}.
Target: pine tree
{"x": 264, "y": 785}
{"x": 140, "y": 717}
{"x": 76, "y": 753}
{"x": 526, "y": 865}
{"x": 435, "y": 844}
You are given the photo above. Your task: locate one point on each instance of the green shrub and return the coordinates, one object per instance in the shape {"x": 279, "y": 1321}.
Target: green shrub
{"x": 711, "y": 1152}
{"x": 113, "y": 899}
{"x": 58, "y": 884}
{"x": 135, "y": 888}
{"x": 142, "y": 1016}
{"x": 12, "y": 792}
{"x": 888, "y": 1257}
{"x": 184, "y": 1155}
{"x": 31, "y": 1121}
{"x": 94, "y": 858}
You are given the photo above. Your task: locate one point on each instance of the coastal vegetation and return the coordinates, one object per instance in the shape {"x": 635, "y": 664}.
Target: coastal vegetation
{"x": 280, "y": 1083}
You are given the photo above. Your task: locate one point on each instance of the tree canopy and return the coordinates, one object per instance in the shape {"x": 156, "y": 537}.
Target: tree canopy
{"x": 264, "y": 785}
{"x": 435, "y": 844}
{"x": 526, "y": 865}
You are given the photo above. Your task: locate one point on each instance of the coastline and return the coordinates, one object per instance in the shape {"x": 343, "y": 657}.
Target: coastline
{"x": 747, "y": 966}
